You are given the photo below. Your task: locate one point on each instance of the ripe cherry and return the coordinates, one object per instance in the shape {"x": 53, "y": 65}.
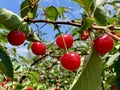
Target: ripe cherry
{"x": 68, "y": 41}
{"x": 57, "y": 88}
{"x": 29, "y": 88}
{"x": 84, "y": 36}
{"x": 38, "y": 48}
{"x": 16, "y": 37}
{"x": 3, "y": 84}
{"x": 7, "y": 79}
{"x": 71, "y": 61}
{"x": 103, "y": 44}
{"x": 113, "y": 87}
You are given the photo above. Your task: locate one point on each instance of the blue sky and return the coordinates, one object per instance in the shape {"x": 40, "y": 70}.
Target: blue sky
{"x": 14, "y": 5}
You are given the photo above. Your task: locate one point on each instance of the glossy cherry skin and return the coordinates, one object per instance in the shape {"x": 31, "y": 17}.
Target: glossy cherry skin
{"x": 29, "y": 88}
{"x": 57, "y": 88}
{"x": 84, "y": 36}
{"x": 103, "y": 44}
{"x": 71, "y": 61}
{"x": 16, "y": 37}
{"x": 3, "y": 84}
{"x": 113, "y": 87}
{"x": 68, "y": 41}
{"x": 8, "y": 79}
{"x": 38, "y": 48}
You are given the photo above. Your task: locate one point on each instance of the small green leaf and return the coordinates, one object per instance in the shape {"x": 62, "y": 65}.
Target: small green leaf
{"x": 62, "y": 10}
{"x": 101, "y": 15}
{"x": 112, "y": 20}
{"x": 86, "y": 4}
{"x": 5, "y": 59}
{"x": 90, "y": 78}
{"x": 34, "y": 76}
{"x": 87, "y": 23}
{"x": 51, "y": 13}
{"x": 25, "y": 9}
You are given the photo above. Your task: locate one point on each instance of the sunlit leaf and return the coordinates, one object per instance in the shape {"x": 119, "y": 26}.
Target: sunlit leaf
{"x": 101, "y": 15}
{"x": 90, "y": 78}
{"x": 86, "y": 4}
{"x": 51, "y": 13}
{"x": 98, "y": 3}
{"x": 112, "y": 59}
{"x": 87, "y": 23}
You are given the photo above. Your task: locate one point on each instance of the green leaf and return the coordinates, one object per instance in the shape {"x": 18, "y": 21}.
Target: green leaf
{"x": 51, "y": 13}
{"x": 112, "y": 59}
{"x": 117, "y": 68}
{"x": 34, "y": 76}
{"x": 87, "y": 23}
{"x": 62, "y": 10}
{"x": 101, "y": 15}
{"x": 98, "y": 3}
{"x": 25, "y": 9}
{"x": 3, "y": 69}
{"x": 5, "y": 59}
{"x": 90, "y": 78}
{"x": 86, "y": 4}
{"x": 111, "y": 20}
{"x": 12, "y": 21}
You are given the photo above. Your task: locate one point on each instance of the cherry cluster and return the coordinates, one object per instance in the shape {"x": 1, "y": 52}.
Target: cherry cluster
{"x": 70, "y": 60}
{"x": 4, "y": 82}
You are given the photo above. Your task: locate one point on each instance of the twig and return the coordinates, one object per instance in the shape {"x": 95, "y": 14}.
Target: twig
{"x": 42, "y": 57}
{"x": 55, "y": 22}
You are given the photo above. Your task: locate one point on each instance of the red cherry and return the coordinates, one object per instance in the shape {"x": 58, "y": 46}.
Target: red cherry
{"x": 38, "y": 48}
{"x": 68, "y": 41}
{"x": 29, "y": 88}
{"x": 3, "y": 84}
{"x": 113, "y": 87}
{"x": 84, "y": 36}
{"x": 8, "y": 79}
{"x": 16, "y": 37}
{"x": 103, "y": 44}
{"x": 57, "y": 88}
{"x": 71, "y": 61}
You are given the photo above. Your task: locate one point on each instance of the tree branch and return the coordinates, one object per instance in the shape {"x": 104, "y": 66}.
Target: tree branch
{"x": 42, "y": 57}
{"x": 72, "y": 22}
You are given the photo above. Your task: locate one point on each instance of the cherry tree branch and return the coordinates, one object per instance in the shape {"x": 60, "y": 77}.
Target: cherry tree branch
{"x": 72, "y": 22}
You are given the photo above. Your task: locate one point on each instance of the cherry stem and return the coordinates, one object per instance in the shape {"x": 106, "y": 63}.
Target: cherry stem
{"x": 56, "y": 26}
